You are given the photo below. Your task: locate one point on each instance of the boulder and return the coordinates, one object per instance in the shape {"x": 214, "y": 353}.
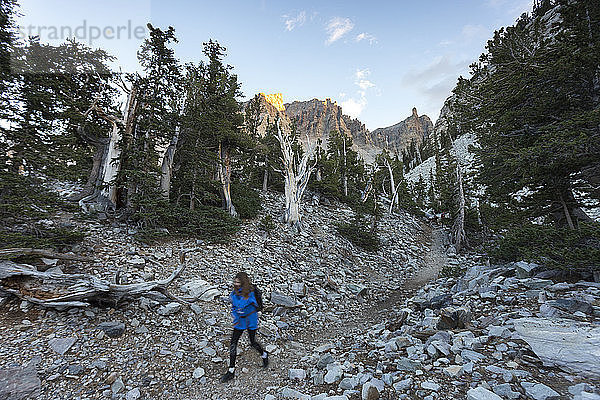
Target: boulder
{"x": 20, "y": 383}
{"x": 198, "y": 373}
{"x": 334, "y": 373}
{"x": 196, "y": 287}
{"x": 572, "y": 306}
{"x": 112, "y": 329}
{"x": 289, "y": 393}
{"x": 505, "y": 391}
{"x": 62, "y": 345}
{"x": 369, "y": 392}
{"x": 570, "y": 345}
{"x": 133, "y": 394}
{"x": 481, "y": 393}
{"x": 299, "y": 289}
{"x": 348, "y": 383}
{"x": 281, "y": 299}
{"x": 403, "y": 385}
{"x": 169, "y": 309}
{"x": 297, "y": 374}
{"x": 525, "y": 269}
{"x": 539, "y": 391}
{"x": 325, "y": 360}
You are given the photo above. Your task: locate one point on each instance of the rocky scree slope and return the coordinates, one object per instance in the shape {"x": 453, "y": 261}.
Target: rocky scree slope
{"x": 315, "y": 284}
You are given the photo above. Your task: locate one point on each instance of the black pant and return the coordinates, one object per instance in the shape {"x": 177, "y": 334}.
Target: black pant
{"x": 235, "y": 337}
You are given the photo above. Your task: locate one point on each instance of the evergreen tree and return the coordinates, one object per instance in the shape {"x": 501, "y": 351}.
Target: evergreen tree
{"x": 343, "y": 173}
{"x": 56, "y": 86}
{"x": 264, "y": 158}
{"x": 213, "y": 134}
{"x": 419, "y": 192}
{"x": 533, "y": 104}
{"x": 155, "y": 122}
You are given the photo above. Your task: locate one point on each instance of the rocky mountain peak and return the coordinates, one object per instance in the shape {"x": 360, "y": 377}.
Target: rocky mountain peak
{"x": 275, "y": 99}
{"x": 316, "y": 118}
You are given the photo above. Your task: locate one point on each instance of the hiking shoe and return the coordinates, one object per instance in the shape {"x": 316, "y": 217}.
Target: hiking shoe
{"x": 265, "y": 360}
{"x": 227, "y": 377}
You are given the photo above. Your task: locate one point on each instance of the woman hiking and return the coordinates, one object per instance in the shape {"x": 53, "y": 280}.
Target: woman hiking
{"x": 244, "y": 309}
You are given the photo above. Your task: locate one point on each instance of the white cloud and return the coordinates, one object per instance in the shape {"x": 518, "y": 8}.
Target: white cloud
{"x": 336, "y": 28}
{"x": 436, "y": 80}
{"x": 366, "y": 36}
{"x": 361, "y": 79}
{"x": 294, "y": 22}
{"x": 354, "y": 106}
{"x": 365, "y": 84}
{"x": 362, "y": 73}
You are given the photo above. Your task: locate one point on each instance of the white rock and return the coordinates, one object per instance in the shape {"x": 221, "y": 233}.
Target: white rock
{"x": 539, "y": 391}
{"x": 481, "y": 393}
{"x": 453, "y": 371}
{"x": 429, "y": 385}
{"x": 334, "y": 373}
{"x": 297, "y": 373}
{"x": 133, "y": 394}
{"x": 196, "y": 287}
{"x": 169, "y": 309}
{"x": 289, "y": 393}
{"x": 402, "y": 385}
{"x": 198, "y": 373}
{"x": 210, "y": 295}
{"x": 569, "y": 345}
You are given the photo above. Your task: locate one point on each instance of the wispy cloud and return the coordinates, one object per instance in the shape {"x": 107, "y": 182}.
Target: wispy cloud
{"x": 355, "y": 105}
{"x": 366, "y": 36}
{"x": 294, "y": 22}
{"x": 361, "y": 79}
{"x": 336, "y": 28}
{"x": 512, "y": 7}
{"x": 437, "y": 79}
{"x": 475, "y": 32}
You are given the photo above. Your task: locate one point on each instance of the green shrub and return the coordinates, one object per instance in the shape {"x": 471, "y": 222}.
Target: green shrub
{"x": 267, "y": 224}
{"x": 23, "y": 198}
{"x": 452, "y": 271}
{"x": 23, "y": 202}
{"x": 246, "y": 200}
{"x": 359, "y": 233}
{"x": 41, "y": 238}
{"x": 167, "y": 221}
{"x": 554, "y": 248}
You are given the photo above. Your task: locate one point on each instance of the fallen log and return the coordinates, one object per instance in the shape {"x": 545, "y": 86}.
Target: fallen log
{"x": 19, "y": 252}
{"x": 58, "y": 290}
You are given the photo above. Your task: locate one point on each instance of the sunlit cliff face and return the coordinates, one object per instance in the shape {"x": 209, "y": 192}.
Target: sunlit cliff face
{"x": 276, "y": 100}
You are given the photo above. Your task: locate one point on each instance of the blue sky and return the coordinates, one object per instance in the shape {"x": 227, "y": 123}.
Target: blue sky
{"x": 377, "y": 59}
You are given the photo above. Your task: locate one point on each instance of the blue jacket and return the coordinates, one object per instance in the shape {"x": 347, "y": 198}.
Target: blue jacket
{"x": 244, "y": 310}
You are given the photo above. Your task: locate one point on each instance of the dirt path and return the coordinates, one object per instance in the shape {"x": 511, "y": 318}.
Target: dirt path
{"x": 376, "y": 311}
{"x": 436, "y": 259}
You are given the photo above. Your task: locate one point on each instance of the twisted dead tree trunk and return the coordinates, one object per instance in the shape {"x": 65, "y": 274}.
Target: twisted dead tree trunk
{"x": 224, "y": 174}
{"x": 166, "y": 168}
{"x": 102, "y": 191}
{"x": 296, "y": 176}
{"x": 459, "y": 237}
{"x": 393, "y": 186}
{"x": 58, "y": 290}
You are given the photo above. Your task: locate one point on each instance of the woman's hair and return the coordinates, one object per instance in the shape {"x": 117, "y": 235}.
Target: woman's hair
{"x": 246, "y": 284}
